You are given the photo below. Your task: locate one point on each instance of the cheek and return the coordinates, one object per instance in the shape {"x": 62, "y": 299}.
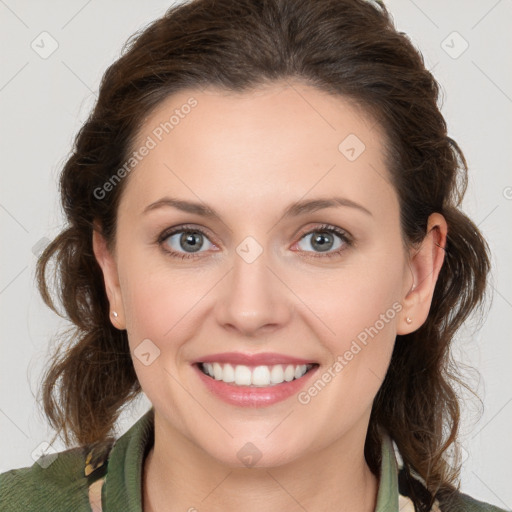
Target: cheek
{"x": 164, "y": 305}
{"x": 361, "y": 349}
{"x": 157, "y": 304}
{"x": 160, "y": 311}
{"x": 353, "y": 299}
{"x": 358, "y": 308}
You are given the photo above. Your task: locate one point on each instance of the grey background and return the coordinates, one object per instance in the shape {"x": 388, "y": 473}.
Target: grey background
{"x": 44, "y": 101}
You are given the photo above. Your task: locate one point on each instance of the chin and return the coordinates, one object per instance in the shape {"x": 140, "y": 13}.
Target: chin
{"x": 244, "y": 453}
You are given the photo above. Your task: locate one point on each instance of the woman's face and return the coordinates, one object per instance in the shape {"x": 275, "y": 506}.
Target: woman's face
{"x": 294, "y": 252}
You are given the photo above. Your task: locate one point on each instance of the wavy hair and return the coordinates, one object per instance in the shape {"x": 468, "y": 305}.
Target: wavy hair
{"x": 348, "y": 48}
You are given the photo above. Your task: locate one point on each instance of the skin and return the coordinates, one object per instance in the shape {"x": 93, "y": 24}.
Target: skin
{"x": 248, "y": 156}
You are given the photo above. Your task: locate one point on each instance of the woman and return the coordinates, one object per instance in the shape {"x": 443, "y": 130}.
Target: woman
{"x": 296, "y": 355}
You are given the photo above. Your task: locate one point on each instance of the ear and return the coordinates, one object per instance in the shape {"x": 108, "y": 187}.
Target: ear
{"x": 107, "y": 262}
{"x": 425, "y": 264}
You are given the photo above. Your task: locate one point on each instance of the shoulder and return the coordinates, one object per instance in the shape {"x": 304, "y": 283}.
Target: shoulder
{"x": 57, "y": 482}
{"x": 412, "y": 488}
{"x": 460, "y": 502}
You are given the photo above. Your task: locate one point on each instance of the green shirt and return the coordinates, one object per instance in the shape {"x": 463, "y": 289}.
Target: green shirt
{"x": 107, "y": 477}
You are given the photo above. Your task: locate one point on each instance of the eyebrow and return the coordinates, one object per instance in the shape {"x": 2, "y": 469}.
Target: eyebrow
{"x": 293, "y": 210}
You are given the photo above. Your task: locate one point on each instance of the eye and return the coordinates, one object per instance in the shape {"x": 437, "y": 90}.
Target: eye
{"x": 187, "y": 241}
{"x": 326, "y": 241}
{"x": 184, "y": 242}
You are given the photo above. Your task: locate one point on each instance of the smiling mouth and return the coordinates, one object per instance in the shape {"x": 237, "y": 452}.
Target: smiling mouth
{"x": 255, "y": 376}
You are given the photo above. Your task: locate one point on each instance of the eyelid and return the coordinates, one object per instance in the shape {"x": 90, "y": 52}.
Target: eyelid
{"x": 325, "y": 227}
{"x": 347, "y": 239}
{"x": 166, "y": 233}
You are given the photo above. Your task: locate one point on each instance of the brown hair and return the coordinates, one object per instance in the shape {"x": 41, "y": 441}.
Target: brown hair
{"x": 348, "y": 48}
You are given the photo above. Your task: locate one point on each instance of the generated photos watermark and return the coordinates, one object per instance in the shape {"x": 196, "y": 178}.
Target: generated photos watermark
{"x": 151, "y": 142}
{"x": 342, "y": 360}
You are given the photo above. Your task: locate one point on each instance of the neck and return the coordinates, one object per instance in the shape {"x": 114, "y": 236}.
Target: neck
{"x": 179, "y": 476}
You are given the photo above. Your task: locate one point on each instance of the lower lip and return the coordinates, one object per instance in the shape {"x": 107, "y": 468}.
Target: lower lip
{"x": 248, "y": 396}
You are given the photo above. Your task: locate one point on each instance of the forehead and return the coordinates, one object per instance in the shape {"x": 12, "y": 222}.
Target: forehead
{"x": 284, "y": 139}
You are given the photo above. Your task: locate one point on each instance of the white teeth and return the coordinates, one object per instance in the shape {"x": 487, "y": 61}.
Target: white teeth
{"x": 228, "y": 373}
{"x": 289, "y": 373}
{"x": 209, "y": 369}
{"x": 217, "y": 371}
{"x": 262, "y": 375}
{"x": 242, "y": 375}
{"x": 300, "y": 371}
{"x": 277, "y": 374}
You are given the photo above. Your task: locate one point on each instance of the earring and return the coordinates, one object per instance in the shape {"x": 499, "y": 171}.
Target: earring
{"x": 408, "y": 320}
{"x": 114, "y": 314}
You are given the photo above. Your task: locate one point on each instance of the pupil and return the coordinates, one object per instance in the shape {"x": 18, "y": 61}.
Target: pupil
{"x": 322, "y": 244}
{"x": 191, "y": 239}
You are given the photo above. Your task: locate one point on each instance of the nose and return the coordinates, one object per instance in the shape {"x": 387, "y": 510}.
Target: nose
{"x": 254, "y": 299}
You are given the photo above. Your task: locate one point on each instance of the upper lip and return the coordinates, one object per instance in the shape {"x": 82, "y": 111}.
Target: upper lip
{"x": 263, "y": 358}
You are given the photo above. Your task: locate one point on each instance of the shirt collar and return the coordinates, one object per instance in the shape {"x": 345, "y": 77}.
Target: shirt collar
{"x": 123, "y": 483}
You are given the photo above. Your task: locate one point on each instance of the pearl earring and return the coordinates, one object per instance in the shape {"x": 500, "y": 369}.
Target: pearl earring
{"x": 114, "y": 314}
{"x": 408, "y": 320}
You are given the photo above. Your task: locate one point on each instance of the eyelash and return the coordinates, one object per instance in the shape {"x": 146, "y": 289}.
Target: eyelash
{"x": 325, "y": 228}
